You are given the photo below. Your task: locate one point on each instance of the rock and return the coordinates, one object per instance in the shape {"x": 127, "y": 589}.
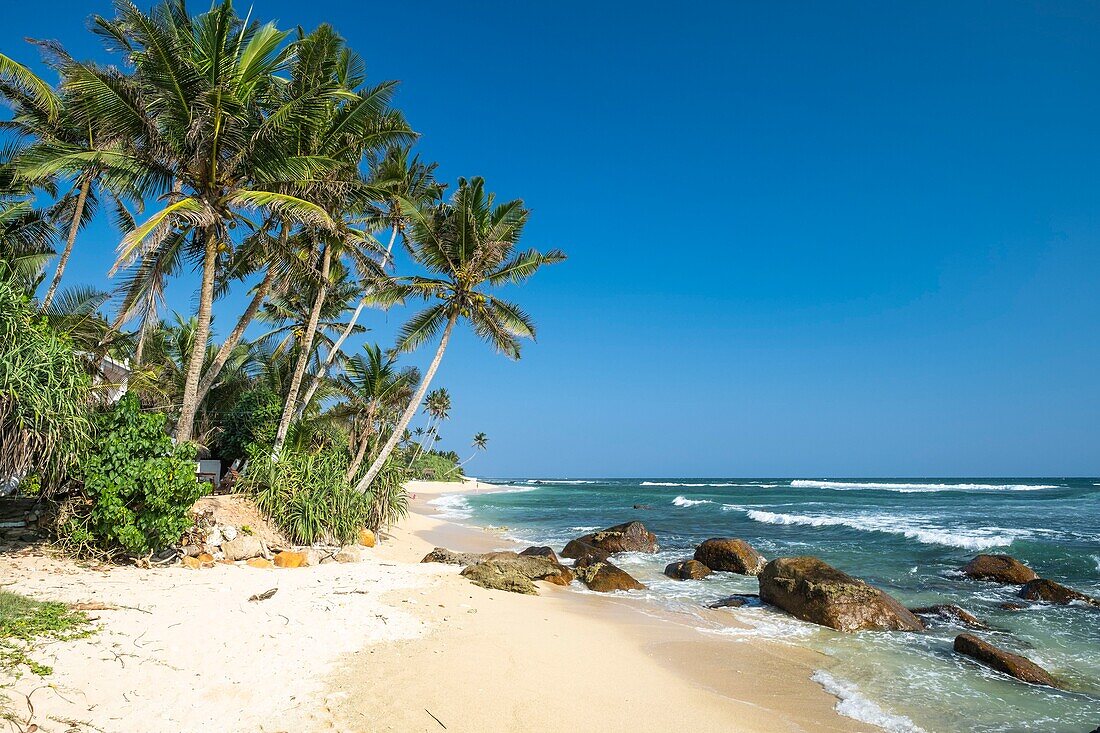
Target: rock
{"x": 512, "y": 572}
{"x": 291, "y": 559}
{"x": 600, "y": 575}
{"x": 313, "y": 557}
{"x": 1010, "y": 606}
{"x": 349, "y": 553}
{"x": 999, "y": 568}
{"x": 447, "y": 557}
{"x": 812, "y": 590}
{"x": 687, "y": 570}
{"x": 215, "y": 537}
{"x": 497, "y": 577}
{"x": 951, "y": 613}
{"x": 260, "y": 562}
{"x": 190, "y": 562}
{"x": 242, "y": 547}
{"x": 627, "y": 537}
{"x": 642, "y": 506}
{"x": 735, "y": 601}
{"x": 192, "y": 550}
{"x": 366, "y": 538}
{"x": 730, "y": 555}
{"x": 1042, "y": 589}
{"x": 228, "y": 531}
{"x": 542, "y": 551}
{"x": 205, "y": 559}
{"x": 1011, "y": 664}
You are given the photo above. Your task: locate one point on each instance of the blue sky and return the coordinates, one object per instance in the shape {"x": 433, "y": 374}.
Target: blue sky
{"x": 853, "y": 239}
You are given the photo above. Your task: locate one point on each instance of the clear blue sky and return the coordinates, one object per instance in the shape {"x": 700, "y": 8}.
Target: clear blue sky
{"x": 805, "y": 239}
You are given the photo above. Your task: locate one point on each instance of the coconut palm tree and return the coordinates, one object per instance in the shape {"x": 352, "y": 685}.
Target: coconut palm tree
{"x": 468, "y": 246}
{"x": 480, "y": 443}
{"x": 437, "y": 406}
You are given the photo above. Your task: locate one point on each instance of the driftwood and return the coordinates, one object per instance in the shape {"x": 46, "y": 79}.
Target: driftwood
{"x": 263, "y": 596}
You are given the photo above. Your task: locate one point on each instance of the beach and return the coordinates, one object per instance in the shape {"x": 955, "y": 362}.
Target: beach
{"x": 390, "y": 644}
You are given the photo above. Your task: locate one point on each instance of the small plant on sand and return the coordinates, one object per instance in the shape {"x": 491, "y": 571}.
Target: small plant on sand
{"x": 138, "y": 486}
{"x": 25, "y": 622}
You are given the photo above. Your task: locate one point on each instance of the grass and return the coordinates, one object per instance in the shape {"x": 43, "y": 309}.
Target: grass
{"x": 25, "y": 623}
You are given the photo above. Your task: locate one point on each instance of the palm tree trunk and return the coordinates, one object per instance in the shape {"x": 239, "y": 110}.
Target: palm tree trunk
{"x": 316, "y": 381}
{"x": 420, "y": 443}
{"x": 190, "y": 406}
{"x": 304, "y": 353}
{"x": 74, "y": 227}
{"x": 235, "y": 335}
{"x": 358, "y": 460}
{"x": 139, "y": 350}
{"x": 410, "y": 411}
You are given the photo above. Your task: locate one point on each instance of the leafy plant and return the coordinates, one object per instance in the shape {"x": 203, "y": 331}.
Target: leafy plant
{"x": 44, "y": 392}
{"x": 139, "y": 487}
{"x": 25, "y": 622}
{"x": 252, "y": 419}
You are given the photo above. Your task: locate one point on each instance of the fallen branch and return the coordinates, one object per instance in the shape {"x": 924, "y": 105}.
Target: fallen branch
{"x": 429, "y": 712}
{"x": 263, "y": 596}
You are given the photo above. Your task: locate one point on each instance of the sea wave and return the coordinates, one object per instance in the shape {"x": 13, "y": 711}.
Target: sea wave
{"x": 522, "y": 490}
{"x": 910, "y": 488}
{"x": 853, "y": 704}
{"x": 674, "y": 483}
{"x": 968, "y": 538}
{"x": 556, "y": 481}
{"x": 452, "y": 506}
{"x": 684, "y": 501}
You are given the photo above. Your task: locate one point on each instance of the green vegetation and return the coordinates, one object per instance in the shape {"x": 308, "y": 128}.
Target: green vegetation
{"x": 233, "y": 158}
{"x": 139, "y": 486}
{"x": 24, "y": 623}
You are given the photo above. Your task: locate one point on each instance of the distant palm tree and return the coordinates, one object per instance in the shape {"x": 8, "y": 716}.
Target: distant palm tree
{"x": 481, "y": 442}
{"x": 438, "y": 408}
{"x": 469, "y": 245}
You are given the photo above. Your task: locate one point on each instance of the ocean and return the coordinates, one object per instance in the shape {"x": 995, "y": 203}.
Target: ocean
{"x": 908, "y": 537}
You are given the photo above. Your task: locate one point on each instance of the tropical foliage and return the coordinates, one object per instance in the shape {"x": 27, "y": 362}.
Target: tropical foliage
{"x": 241, "y": 161}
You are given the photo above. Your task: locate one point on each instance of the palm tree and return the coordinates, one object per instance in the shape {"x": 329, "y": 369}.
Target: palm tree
{"x": 375, "y": 388}
{"x": 481, "y": 442}
{"x": 437, "y": 406}
{"x": 468, "y": 244}
{"x": 13, "y": 72}
{"x": 198, "y": 127}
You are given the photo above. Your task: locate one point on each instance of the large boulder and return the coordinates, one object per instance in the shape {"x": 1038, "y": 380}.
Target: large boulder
{"x": 812, "y": 590}
{"x": 730, "y": 555}
{"x": 1000, "y": 569}
{"x": 1011, "y": 664}
{"x": 687, "y": 570}
{"x": 601, "y": 576}
{"x": 952, "y": 614}
{"x": 291, "y": 559}
{"x": 243, "y": 547}
{"x": 1042, "y": 589}
{"x": 449, "y": 557}
{"x": 542, "y": 551}
{"x": 349, "y": 553}
{"x": 627, "y": 537}
{"x": 511, "y": 572}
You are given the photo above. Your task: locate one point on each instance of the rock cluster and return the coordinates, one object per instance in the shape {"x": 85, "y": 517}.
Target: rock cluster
{"x": 626, "y": 537}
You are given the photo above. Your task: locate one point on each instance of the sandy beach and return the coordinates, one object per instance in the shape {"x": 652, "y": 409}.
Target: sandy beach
{"x": 389, "y": 644}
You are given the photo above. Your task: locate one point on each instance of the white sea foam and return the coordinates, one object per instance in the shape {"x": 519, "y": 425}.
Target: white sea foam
{"x": 853, "y": 704}
{"x": 522, "y": 490}
{"x": 674, "y": 483}
{"x": 906, "y": 488}
{"x": 452, "y": 506}
{"x": 684, "y": 501}
{"x": 557, "y": 481}
{"x": 979, "y": 538}
{"x": 1096, "y": 559}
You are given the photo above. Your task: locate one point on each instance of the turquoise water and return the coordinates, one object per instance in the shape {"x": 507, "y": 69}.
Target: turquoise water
{"x": 908, "y": 537}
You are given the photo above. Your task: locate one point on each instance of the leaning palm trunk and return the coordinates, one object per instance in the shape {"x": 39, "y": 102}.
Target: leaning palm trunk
{"x": 316, "y": 381}
{"x": 74, "y": 227}
{"x": 367, "y": 433}
{"x": 429, "y": 435}
{"x": 304, "y": 351}
{"x": 410, "y": 411}
{"x": 190, "y": 404}
{"x": 236, "y": 334}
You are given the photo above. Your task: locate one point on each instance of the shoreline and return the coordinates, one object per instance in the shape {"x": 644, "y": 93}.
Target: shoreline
{"x": 681, "y": 676}
{"x": 391, "y": 644}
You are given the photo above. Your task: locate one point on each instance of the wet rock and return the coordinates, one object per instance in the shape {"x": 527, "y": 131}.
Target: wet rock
{"x": 1010, "y": 606}
{"x": 642, "y": 506}
{"x": 1042, "y": 589}
{"x": 366, "y": 538}
{"x": 515, "y": 573}
{"x": 1011, "y": 664}
{"x": 542, "y": 551}
{"x": 627, "y": 537}
{"x": 951, "y": 613}
{"x": 687, "y": 570}
{"x": 291, "y": 559}
{"x": 602, "y": 576}
{"x": 735, "y": 601}
{"x": 242, "y": 547}
{"x": 812, "y": 590}
{"x": 349, "y": 553}
{"x": 731, "y": 555}
{"x": 449, "y": 557}
{"x": 1000, "y": 569}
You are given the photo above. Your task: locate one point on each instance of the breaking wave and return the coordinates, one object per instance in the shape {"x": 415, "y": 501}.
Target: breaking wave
{"x": 452, "y": 506}
{"x": 853, "y": 704}
{"x": 907, "y": 488}
{"x": 674, "y": 483}
{"x": 684, "y": 501}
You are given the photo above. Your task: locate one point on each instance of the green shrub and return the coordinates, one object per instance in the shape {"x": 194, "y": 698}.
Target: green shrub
{"x": 45, "y": 421}
{"x": 389, "y": 502}
{"x": 434, "y": 466}
{"x": 254, "y": 418}
{"x": 138, "y": 486}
